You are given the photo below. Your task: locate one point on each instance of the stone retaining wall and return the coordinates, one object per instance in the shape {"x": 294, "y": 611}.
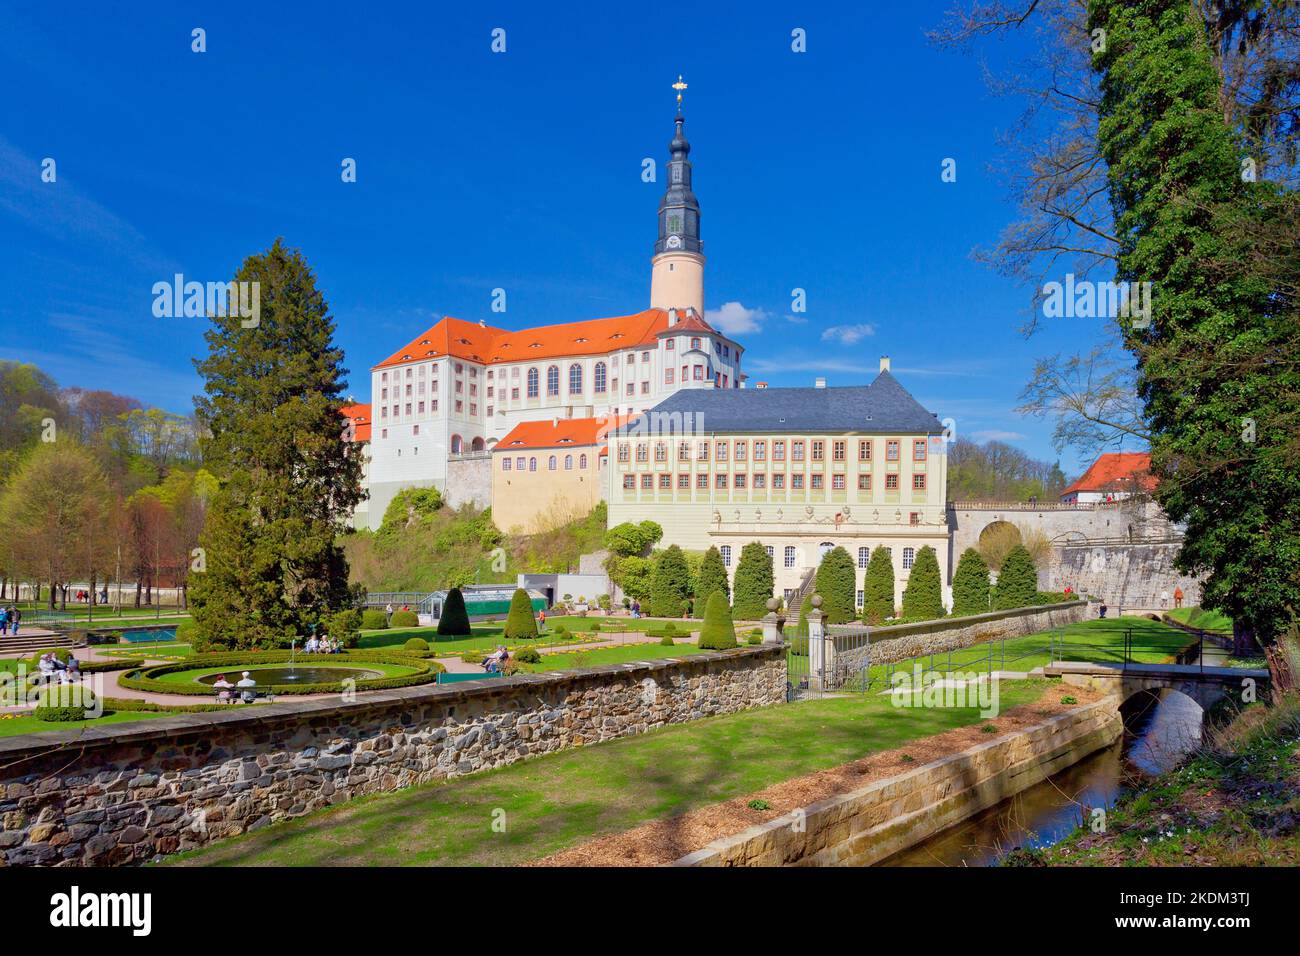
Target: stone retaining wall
{"x": 871, "y": 824}
{"x": 123, "y": 793}
{"x": 888, "y": 645}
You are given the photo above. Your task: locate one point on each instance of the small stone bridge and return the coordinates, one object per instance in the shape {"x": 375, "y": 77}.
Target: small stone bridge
{"x": 1205, "y": 685}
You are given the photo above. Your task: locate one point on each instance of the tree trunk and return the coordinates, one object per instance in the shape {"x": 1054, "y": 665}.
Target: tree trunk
{"x": 1244, "y": 642}
{"x": 137, "y": 592}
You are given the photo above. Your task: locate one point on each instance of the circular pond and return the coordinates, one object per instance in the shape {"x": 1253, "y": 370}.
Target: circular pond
{"x": 279, "y": 676}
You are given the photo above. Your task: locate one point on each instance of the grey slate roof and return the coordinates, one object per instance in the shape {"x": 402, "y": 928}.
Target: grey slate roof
{"x": 882, "y": 406}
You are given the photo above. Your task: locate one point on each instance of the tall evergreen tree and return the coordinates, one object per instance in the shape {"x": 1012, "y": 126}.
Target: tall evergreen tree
{"x": 271, "y": 565}
{"x": 1210, "y": 367}
{"x": 923, "y": 596}
{"x": 1017, "y": 581}
{"x": 670, "y": 583}
{"x": 521, "y": 623}
{"x": 836, "y": 583}
{"x": 970, "y": 585}
{"x": 711, "y": 577}
{"x": 754, "y": 582}
{"x": 878, "y": 587}
{"x": 454, "y": 621}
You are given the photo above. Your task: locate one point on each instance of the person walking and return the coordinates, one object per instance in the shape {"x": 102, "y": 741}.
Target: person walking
{"x": 389, "y": 611}
{"x": 1178, "y": 597}
{"x": 15, "y": 616}
{"x": 1164, "y": 599}
{"x": 4, "y": 621}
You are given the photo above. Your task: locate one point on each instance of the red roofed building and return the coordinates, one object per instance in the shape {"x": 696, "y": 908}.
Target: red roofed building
{"x": 549, "y": 472}
{"x": 1112, "y": 477}
{"x": 457, "y": 389}
{"x": 356, "y": 428}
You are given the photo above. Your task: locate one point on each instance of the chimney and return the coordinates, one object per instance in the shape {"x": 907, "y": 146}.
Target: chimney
{"x": 884, "y": 363}
{"x": 819, "y": 383}
{"x": 672, "y": 316}
{"x": 555, "y": 421}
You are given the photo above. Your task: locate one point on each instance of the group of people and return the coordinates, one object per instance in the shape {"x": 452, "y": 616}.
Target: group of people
{"x": 10, "y": 618}
{"x": 243, "y": 689}
{"x": 322, "y": 645}
{"x": 50, "y": 667}
{"x": 495, "y": 662}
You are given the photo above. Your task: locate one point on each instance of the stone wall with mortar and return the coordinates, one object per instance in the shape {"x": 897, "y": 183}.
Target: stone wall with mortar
{"x": 124, "y": 793}
{"x": 883, "y": 818}
{"x": 469, "y": 482}
{"x": 888, "y": 645}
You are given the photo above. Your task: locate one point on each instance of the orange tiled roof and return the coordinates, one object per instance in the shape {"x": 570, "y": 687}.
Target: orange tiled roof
{"x": 359, "y": 416}
{"x": 487, "y": 345}
{"x": 565, "y": 433}
{"x": 1117, "y": 471}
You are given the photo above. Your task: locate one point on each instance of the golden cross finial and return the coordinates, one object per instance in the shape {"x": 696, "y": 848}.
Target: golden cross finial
{"x": 679, "y": 86}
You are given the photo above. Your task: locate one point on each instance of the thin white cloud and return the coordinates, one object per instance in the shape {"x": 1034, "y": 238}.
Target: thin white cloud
{"x": 995, "y": 434}
{"x": 734, "y": 319}
{"x": 848, "y": 334}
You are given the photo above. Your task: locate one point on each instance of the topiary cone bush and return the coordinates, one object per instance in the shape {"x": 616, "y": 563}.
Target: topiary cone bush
{"x": 970, "y": 585}
{"x": 717, "y": 633}
{"x": 923, "y": 596}
{"x": 455, "y": 619}
{"x": 1017, "y": 581}
{"x": 520, "y": 623}
{"x": 878, "y": 587}
{"x": 669, "y": 583}
{"x": 835, "y": 583}
{"x": 754, "y": 583}
{"x": 712, "y": 576}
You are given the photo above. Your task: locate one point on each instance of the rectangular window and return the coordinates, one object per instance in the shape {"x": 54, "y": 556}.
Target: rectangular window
{"x": 433, "y": 405}
{"x": 629, "y": 482}
{"x": 702, "y": 482}
{"x": 760, "y": 482}
{"x": 891, "y": 482}
{"x": 720, "y": 481}
{"x": 661, "y": 451}
{"x": 839, "y": 450}
{"x": 837, "y": 482}
{"x": 415, "y": 429}
{"x": 668, "y": 376}
{"x": 778, "y": 451}
{"x": 720, "y": 451}
{"x": 864, "y": 482}
{"x": 460, "y": 407}
{"x": 860, "y": 598}
{"x": 684, "y": 482}
{"x": 647, "y": 482}
{"x": 514, "y": 394}
{"x": 796, "y": 482}
{"x": 760, "y": 451}
{"x": 642, "y": 452}
{"x": 817, "y": 482}
{"x": 738, "y": 482}
{"x": 742, "y": 451}
{"x": 909, "y": 558}
{"x": 918, "y": 482}
{"x": 918, "y": 449}
{"x": 505, "y": 463}
{"x": 624, "y": 453}
{"x": 665, "y": 482}
{"x": 699, "y": 373}
{"x": 891, "y": 450}
{"x": 702, "y": 451}
{"x": 864, "y": 557}
{"x": 778, "y": 482}
{"x": 818, "y": 451}
{"x": 796, "y": 450}
{"x": 645, "y": 388}
{"x": 914, "y": 518}
{"x": 683, "y": 451}
{"x": 473, "y": 408}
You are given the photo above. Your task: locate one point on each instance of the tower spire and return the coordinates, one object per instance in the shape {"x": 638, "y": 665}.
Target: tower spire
{"x": 677, "y": 277}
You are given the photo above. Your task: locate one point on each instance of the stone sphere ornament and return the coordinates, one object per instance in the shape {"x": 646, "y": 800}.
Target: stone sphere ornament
{"x": 773, "y": 604}
{"x": 817, "y": 600}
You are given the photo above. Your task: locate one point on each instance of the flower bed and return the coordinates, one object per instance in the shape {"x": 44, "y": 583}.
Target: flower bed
{"x": 149, "y": 678}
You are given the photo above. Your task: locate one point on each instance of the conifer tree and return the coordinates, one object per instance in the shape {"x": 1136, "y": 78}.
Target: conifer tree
{"x": 520, "y": 622}
{"x": 836, "y": 583}
{"x": 878, "y": 587}
{"x": 711, "y": 577}
{"x": 970, "y": 585}
{"x": 754, "y": 583}
{"x": 454, "y": 621}
{"x": 923, "y": 596}
{"x": 670, "y": 583}
{"x": 717, "y": 633}
{"x": 1017, "y": 581}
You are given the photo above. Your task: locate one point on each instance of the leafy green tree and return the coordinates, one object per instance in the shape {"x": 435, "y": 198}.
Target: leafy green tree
{"x": 636, "y": 577}
{"x": 520, "y": 622}
{"x": 754, "y": 582}
{"x": 454, "y": 621}
{"x": 836, "y": 583}
{"x": 1017, "y": 581}
{"x": 410, "y": 506}
{"x": 669, "y": 583}
{"x": 923, "y": 596}
{"x": 878, "y": 587}
{"x": 711, "y": 577}
{"x": 970, "y": 585}
{"x": 1217, "y": 368}
{"x": 717, "y": 633}
{"x": 287, "y": 480}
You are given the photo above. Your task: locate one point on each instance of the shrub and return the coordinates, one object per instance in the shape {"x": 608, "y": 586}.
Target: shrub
{"x": 405, "y": 619}
{"x": 520, "y": 623}
{"x": 669, "y": 583}
{"x": 416, "y": 644}
{"x": 755, "y": 638}
{"x": 374, "y": 619}
{"x": 454, "y": 621}
{"x": 595, "y": 625}
{"x": 64, "y": 703}
{"x": 667, "y": 640}
{"x": 604, "y": 602}
{"x": 560, "y": 631}
{"x": 754, "y": 583}
{"x": 970, "y": 585}
{"x": 528, "y": 655}
{"x": 923, "y": 596}
{"x": 712, "y": 576}
{"x": 670, "y": 628}
{"x": 878, "y": 587}
{"x": 836, "y": 584}
{"x": 1017, "y": 581}
{"x": 345, "y": 626}
{"x": 717, "y": 633}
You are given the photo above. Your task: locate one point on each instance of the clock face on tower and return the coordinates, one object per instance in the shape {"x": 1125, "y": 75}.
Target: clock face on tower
{"x": 674, "y": 242}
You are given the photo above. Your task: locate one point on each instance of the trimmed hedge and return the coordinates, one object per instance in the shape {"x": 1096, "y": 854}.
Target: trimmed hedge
{"x": 712, "y": 576}
{"x": 454, "y": 621}
{"x": 754, "y": 583}
{"x": 64, "y": 703}
{"x": 374, "y": 619}
{"x": 527, "y": 655}
{"x": 923, "y": 596}
{"x": 1017, "y": 581}
{"x": 520, "y": 623}
{"x": 878, "y": 587}
{"x": 416, "y": 644}
{"x": 404, "y": 619}
{"x": 717, "y": 633}
{"x": 835, "y": 582}
{"x": 970, "y": 585}
{"x": 145, "y": 678}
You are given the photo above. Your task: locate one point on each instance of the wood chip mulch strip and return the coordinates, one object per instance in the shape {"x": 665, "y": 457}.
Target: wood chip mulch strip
{"x": 660, "y": 842}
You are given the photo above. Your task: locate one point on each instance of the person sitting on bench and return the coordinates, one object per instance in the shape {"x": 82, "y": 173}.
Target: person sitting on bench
{"x": 223, "y": 689}
{"x": 247, "y": 684}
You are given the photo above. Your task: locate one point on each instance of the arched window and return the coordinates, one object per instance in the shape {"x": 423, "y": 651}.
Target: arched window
{"x": 532, "y": 464}
{"x": 599, "y": 375}
{"x": 476, "y": 445}
{"x": 582, "y": 461}
{"x": 568, "y": 463}
{"x": 553, "y": 380}
{"x": 824, "y": 547}
{"x": 532, "y": 383}
{"x": 575, "y": 378}
{"x": 455, "y": 444}
{"x": 551, "y": 463}
{"x": 790, "y": 554}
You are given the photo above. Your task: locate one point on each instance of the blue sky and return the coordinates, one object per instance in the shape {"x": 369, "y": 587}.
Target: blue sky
{"x": 520, "y": 170}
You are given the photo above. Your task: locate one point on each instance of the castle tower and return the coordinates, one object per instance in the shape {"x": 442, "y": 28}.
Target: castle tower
{"x": 677, "y": 273}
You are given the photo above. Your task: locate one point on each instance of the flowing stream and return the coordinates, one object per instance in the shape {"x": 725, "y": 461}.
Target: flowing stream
{"x": 1158, "y": 733}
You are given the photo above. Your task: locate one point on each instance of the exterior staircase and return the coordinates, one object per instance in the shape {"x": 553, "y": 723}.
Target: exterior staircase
{"x": 30, "y": 642}
{"x": 801, "y": 593}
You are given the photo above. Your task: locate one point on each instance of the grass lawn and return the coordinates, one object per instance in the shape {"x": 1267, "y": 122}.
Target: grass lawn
{"x": 487, "y": 636}
{"x": 1202, "y": 619}
{"x": 194, "y": 673}
{"x": 12, "y": 726}
{"x": 1095, "y": 640}
{"x": 168, "y": 650}
{"x": 570, "y": 660}
{"x": 561, "y": 799}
